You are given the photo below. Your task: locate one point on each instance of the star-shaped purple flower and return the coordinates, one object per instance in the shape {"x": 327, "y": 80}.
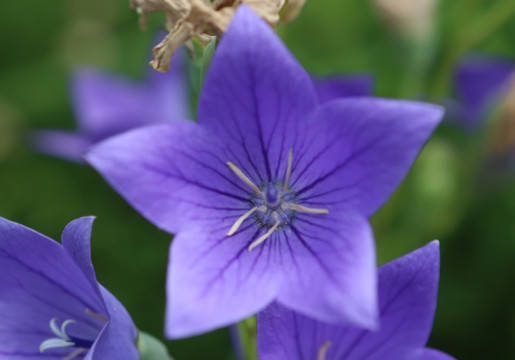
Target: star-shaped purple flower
{"x": 408, "y": 290}
{"x": 51, "y": 305}
{"x": 479, "y": 82}
{"x": 107, "y": 104}
{"x": 268, "y": 193}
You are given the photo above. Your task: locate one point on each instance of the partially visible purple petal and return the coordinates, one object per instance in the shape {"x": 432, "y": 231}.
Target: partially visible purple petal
{"x": 68, "y": 145}
{"x": 117, "y": 340}
{"x": 407, "y": 300}
{"x": 479, "y": 82}
{"x": 76, "y": 239}
{"x": 357, "y": 151}
{"x": 408, "y": 289}
{"x": 254, "y": 96}
{"x": 330, "y": 270}
{"x": 214, "y": 281}
{"x": 106, "y": 104}
{"x": 40, "y": 281}
{"x": 336, "y": 87}
{"x": 169, "y": 91}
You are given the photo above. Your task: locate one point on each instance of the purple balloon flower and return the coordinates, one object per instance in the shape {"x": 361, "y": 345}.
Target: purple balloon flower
{"x": 107, "y": 104}
{"x": 408, "y": 290}
{"x": 479, "y": 82}
{"x": 268, "y": 193}
{"x": 51, "y": 305}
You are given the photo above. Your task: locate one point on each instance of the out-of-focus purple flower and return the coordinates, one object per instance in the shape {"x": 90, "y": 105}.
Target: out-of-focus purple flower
{"x": 268, "y": 193}
{"x": 479, "y": 83}
{"x": 408, "y": 290}
{"x": 107, "y": 104}
{"x": 336, "y": 87}
{"x": 51, "y": 305}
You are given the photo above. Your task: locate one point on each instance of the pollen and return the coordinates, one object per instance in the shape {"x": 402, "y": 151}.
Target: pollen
{"x": 274, "y": 204}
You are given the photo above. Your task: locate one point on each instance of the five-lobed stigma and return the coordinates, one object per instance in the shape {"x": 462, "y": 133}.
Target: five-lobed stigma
{"x": 274, "y": 204}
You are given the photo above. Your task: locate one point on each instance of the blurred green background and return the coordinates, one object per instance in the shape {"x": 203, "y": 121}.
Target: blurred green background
{"x": 448, "y": 195}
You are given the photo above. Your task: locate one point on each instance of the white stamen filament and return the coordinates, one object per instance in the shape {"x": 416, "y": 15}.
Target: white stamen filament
{"x": 242, "y": 176}
{"x": 62, "y": 339}
{"x": 54, "y": 343}
{"x": 265, "y": 236}
{"x": 240, "y": 220}
{"x": 288, "y": 170}
{"x": 61, "y": 333}
{"x": 96, "y": 315}
{"x": 75, "y": 354}
{"x": 323, "y": 350}
{"x": 305, "y": 209}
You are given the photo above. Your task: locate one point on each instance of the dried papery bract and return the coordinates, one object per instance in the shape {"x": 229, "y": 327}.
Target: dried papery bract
{"x": 200, "y": 20}
{"x": 187, "y": 19}
{"x": 292, "y": 10}
{"x": 411, "y": 18}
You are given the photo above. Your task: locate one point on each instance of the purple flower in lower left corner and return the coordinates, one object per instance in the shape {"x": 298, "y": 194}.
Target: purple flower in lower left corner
{"x": 51, "y": 305}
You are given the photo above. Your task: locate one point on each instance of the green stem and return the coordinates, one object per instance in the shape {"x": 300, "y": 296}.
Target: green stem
{"x": 248, "y": 336}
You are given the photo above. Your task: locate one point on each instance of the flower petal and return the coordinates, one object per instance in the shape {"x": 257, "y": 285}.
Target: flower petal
{"x": 169, "y": 91}
{"x": 478, "y": 82}
{"x": 117, "y": 340}
{"x": 214, "y": 280}
{"x": 106, "y": 104}
{"x": 76, "y": 239}
{"x": 336, "y": 87}
{"x": 40, "y": 281}
{"x": 331, "y": 275}
{"x": 357, "y": 151}
{"x": 171, "y": 173}
{"x": 254, "y": 96}
{"x": 62, "y": 144}
{"x": 407, "y": 300}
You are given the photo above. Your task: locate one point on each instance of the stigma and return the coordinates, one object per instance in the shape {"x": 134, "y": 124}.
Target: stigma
{"x": 274, "y": 204}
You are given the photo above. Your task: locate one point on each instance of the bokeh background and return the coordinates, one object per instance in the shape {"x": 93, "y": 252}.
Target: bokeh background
{"x": 453, "y": 193}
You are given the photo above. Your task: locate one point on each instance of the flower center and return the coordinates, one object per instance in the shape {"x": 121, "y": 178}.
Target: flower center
{"x": 63, "y": 339}
{"x": 274, "y": 204}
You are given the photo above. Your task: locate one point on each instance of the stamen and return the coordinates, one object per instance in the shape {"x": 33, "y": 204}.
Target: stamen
{"x": 266, "y": 235}
{"x": 55, "y": 343}
{"x": 240, "y": 220}
{"x": 323, "y": 350}
{"x": 288, "y": 170}
{"x": 62, "y": 339}
{"x": 305, "y": 209}
{"x": 75, "y": 354}
{"x": 242, "y": 176}
{"x": 60, "y": 332}
{"x": 96, "y": 315}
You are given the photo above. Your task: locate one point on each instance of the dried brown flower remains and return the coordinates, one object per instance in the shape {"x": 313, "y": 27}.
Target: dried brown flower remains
{"x": 204, "y": 19}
